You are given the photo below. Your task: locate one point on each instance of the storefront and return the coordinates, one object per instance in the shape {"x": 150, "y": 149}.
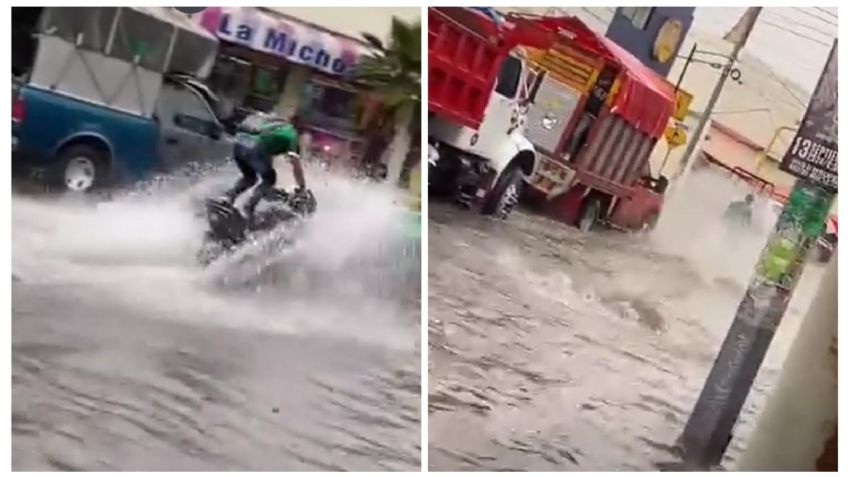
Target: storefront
{"x": 273, "y": 63}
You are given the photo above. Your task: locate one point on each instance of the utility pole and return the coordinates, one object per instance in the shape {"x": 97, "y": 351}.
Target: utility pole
{"x": 800, "y": 414}
{"x": 746, "y": 24}
{"x": 709, "y": 428}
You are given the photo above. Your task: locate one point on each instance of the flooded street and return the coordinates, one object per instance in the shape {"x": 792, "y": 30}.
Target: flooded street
{"x": 551, "y": 349}
{"x": 126, "y": 355}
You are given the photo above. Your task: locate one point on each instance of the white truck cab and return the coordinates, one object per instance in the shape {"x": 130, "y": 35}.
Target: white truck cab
{"x": 489, "y": 164}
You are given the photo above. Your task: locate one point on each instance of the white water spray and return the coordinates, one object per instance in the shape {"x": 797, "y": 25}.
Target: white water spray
{"x": 140, "y": 249}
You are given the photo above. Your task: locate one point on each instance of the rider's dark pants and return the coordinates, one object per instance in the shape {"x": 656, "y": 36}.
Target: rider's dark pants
{"x": 254, "y": 165}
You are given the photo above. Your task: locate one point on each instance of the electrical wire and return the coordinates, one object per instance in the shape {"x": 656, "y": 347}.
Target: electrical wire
{"x": 793, "y": 32}
{"x": 787, "y": 88}
{"x": 827, "y": 12}
{"x": 807, "y": 12}
{"x": 796, "y": 22}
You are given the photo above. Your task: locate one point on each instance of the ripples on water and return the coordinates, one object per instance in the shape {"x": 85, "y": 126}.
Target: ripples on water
{"x": 556, "y": 350}
{"x": 128, "y": 356}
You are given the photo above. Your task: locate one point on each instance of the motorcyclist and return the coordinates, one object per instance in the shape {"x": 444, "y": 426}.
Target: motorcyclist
{"x": 740, "y": 212}
{"x": 254, "y": 153}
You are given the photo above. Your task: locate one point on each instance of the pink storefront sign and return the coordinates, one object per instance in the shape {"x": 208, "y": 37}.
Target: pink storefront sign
{"x": 296, "y": 42}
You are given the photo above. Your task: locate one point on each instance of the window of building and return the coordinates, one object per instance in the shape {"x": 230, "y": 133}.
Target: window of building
{"x": 329, "y": 105}
{"x": 638, "y": 16}
{"x": 266, "y": 86}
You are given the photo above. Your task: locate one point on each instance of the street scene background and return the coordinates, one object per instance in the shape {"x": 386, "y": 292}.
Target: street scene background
{"x": 579, "y": 327}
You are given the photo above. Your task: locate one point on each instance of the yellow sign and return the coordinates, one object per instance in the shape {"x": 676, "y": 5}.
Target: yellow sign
{"x": 675, "y": 136}
{"x": 681, "y": 105}
{"x": 668, "y": 38}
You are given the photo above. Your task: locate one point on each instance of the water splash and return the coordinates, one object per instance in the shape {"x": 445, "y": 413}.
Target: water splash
{"x": 692, "y": 226}
{"x": 140, "y": 246}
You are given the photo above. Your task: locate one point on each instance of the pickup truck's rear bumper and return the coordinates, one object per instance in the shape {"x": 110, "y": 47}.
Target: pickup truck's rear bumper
{"x": 26, "y": 163}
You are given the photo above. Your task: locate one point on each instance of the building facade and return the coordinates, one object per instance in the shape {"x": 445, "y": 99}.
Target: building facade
{"x": 652, "y": 34}
{"x": 295, "y": 60}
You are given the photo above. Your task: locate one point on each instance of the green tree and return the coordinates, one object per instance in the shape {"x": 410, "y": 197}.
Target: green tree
{"x": 394, "y": 72}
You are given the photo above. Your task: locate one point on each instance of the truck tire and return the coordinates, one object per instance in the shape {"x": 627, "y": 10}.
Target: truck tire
{"x": 662, "y": 185}
{"x": 81, "y": 168}
{"x": 651, "y": 222}
{"x": 590, "y": 213}
{"x": 504, "y": 196}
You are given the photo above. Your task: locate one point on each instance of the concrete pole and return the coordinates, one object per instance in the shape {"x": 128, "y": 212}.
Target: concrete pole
{"x": 794, "y": 431}
{"x": 709, "y": 429}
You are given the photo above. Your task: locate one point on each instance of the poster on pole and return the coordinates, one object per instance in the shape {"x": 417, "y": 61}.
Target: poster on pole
{"x": 813, "y": 153}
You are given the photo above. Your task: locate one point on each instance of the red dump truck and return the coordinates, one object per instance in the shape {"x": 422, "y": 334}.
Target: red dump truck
{"x": 544, "y": 101}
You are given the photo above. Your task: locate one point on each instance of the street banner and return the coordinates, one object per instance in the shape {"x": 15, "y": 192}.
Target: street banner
{"x": 289, "y": 39}
{"x": 813, "y": 153}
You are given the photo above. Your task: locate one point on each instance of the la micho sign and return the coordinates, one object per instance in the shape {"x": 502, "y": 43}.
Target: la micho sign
{"x": 814, "y": 151}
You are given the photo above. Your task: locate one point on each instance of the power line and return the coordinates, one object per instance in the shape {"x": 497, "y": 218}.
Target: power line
{"x": 773, "y": 75}
{"x": 807, "y": 12}
{"x": 793, "y": 32}
{"x": 796, "y": 22}
{"x": 827, "y": 12}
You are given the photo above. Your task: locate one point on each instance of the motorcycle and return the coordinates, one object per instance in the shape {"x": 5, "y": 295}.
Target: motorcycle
{"x": 229, "y": 228}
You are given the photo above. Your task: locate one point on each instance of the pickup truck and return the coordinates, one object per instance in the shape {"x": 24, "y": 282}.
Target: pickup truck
{"x": 79, "y": 145}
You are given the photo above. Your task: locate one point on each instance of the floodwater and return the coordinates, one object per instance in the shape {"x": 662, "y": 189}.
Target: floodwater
{"x": 551, "y": 349}
{"x": 128, "y": 356}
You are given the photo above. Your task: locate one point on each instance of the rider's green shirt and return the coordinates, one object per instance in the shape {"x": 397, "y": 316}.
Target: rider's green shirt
{"x": 279, "y": 139}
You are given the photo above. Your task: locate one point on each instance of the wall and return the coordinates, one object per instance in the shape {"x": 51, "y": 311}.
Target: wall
{"x": 735, "y": 153}
{"x": 640, "y": 42}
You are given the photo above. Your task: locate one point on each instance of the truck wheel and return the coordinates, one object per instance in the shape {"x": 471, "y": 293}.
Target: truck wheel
{"x": 504, "y": 196}
{"x": 82, "y": 168}
{"x": 662, "y": 185}
{"x": 590, "y": 213}
{"x": 651, "y": 222}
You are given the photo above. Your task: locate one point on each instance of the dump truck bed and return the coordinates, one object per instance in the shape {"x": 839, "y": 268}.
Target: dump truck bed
{"x": 464, "y": 57}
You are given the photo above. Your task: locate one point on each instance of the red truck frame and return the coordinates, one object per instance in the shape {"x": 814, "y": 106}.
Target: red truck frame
{"x": 610, "y": 171}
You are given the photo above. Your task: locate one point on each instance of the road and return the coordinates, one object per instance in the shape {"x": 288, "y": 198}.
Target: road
{"x": 551, "y": 349}
{"x": 127, "y": 356}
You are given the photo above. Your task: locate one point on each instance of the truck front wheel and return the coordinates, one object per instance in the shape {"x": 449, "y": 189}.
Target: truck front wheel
{"x": 590, "y": 214}
{"x": 504, "y": 196}
{"x": 81, "y": 168}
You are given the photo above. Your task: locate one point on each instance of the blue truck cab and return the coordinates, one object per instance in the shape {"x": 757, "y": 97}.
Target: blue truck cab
{"x": 91, "y": 113}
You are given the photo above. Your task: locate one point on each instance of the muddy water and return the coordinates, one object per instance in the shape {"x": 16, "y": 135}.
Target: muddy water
{"x": 551, "y": 349}
{"x": 128, "y": 356}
